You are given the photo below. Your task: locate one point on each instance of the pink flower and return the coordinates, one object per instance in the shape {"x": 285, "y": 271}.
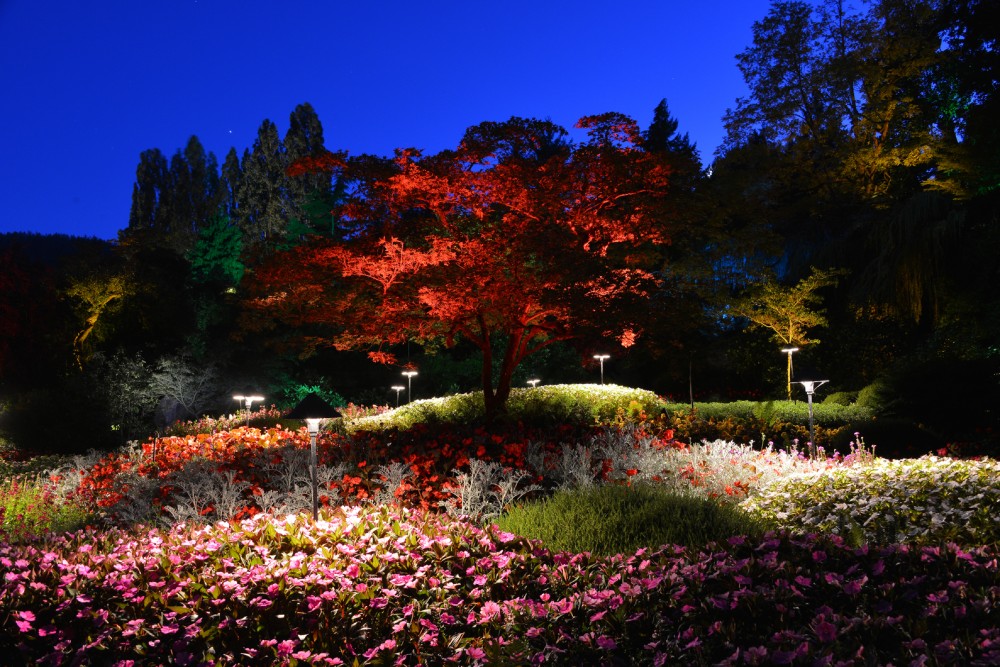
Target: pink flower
{"x": 606, "y": 643}
{"x": 826, "y": 632}
{"x": 475, "y": 653}
{"x": 489, "y": 611}
{"x": 563, "y": 606}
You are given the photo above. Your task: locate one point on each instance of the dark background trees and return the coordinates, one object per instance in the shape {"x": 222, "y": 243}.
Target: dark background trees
{"x": 867, "y": 143}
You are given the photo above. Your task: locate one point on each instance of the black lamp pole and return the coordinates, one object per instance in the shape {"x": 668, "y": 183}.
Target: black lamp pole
{"x": 312, "y": 409}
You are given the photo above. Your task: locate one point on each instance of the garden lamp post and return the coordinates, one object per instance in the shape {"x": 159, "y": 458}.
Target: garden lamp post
{"x": 398, "y": 388}
{"x": 247, "y": 401}
{"x": 789, "y": 351}
{"x": 534, "y": 383}
{"x": 409, "y": 383}
{"x": 811, "y": 386}
{"x": 601, "y": 358}
{"x": 312, "y": 409}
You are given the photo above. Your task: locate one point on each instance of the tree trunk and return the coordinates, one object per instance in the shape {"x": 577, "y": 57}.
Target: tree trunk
{"x": 495, "y": 400}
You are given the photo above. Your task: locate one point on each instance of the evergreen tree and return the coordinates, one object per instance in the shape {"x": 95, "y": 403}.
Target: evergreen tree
{"x": 150, "y": 181}
{"x": 263, "y": 202}
{"x": 305, "y": 139}
{"x": 203, "y": 175}
{"x": 230, "y": 182}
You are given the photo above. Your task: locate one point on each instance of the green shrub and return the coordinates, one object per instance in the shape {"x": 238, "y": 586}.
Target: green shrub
{"x": 874, "y": 396}
{"x": 30, "y": 507}
{"x": 545, "y": 405}
{"x": 611, "y": 519}
{"x": 841, "y": 398}
{"x": 928, "y": 500}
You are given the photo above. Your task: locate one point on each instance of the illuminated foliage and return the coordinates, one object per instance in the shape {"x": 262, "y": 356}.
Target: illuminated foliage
{"x": 789, "y": 313}
{"x": 517, "y": 235}
{"x": 94, "y": 295}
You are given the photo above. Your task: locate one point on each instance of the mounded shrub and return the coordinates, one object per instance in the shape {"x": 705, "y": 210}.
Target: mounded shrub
{"x": 610, "y": 519}
{"x": 929, "y": 500}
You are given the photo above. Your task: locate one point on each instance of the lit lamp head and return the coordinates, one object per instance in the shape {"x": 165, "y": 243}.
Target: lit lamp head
{"x": 409, "y": 374}
{"x": 534, "y": 383}
{"x": 602, "y": 357}
{"x": 248, "y": 399}
{"x": 312, "y": 410}
{"x": 812, "y": 385}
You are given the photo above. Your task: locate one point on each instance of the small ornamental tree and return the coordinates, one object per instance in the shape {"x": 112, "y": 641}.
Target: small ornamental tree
{"x": 518, "y": 236}
{"x": 789, "y": 313}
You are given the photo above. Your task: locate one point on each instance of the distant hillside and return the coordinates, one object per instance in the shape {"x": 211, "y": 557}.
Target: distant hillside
{"x": 52, "y": 249}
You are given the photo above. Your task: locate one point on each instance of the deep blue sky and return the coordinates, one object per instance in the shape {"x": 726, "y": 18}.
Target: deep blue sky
{"x": 87, "y": 86}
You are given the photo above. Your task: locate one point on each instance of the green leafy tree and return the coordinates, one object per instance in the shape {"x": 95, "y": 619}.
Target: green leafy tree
{"x": 95, "y": 295}
{"x": 217, "y": 256}
{"x": 847, "y": 87}
{"x": 788, "y": 313}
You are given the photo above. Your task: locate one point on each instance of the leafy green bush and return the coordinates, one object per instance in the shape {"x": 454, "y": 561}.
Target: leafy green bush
{"x": 30, "y": 506}
{"x": 610, "y": 519}
{"x": 874, "y": 396}
{"x": 545, "y": 405}
{"x": 841, "y": 398}
{"x": 927, "y": 500}
{"x": 796, "y": 412}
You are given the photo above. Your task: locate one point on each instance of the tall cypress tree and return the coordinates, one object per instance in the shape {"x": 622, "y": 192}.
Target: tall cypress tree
{"x": 230, "y": 182}
{"x": 150, "y": 181}
{"x": 305, "y": 139}
{"x": 203, "y": 194}
{"x": 262, "y": 199}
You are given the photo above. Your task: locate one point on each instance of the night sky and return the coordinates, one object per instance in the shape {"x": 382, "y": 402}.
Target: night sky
{"x": 87, "y": 86}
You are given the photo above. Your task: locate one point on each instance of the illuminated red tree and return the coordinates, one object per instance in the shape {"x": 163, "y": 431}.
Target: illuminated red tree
{"x": 515, "y": 240}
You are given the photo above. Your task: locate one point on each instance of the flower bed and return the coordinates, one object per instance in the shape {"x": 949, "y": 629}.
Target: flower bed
{"x": 384, "y": 586}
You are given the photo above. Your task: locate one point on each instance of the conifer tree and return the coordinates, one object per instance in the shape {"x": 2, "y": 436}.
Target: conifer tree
{"x": 305, "y": 139}
{"x": 150, "y": 181}
{"x": 230, "y": 181}
{"x": 263, "y": 199}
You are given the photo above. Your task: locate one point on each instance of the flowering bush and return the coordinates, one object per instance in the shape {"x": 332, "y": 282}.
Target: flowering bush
{"x": 30, "y": 505}
{"x": 927, "y": 500}
{"x": 539, "y": 406}
{"x": 262, "y": 417}
{"x": 382, "y": 586}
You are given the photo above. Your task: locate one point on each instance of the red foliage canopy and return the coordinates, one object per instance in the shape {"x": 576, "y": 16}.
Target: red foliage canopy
{"x": 517, "y": 234}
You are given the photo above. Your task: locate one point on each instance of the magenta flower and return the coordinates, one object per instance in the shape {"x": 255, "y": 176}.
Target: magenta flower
{"x": 606, "y": 643}
{"x": 826, "y": 632}
{"x": 489, "y": 611}
{"x": 26, "y": 618}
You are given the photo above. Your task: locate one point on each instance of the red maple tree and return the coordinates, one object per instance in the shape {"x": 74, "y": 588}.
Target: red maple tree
{"x": 518, "y": 237}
